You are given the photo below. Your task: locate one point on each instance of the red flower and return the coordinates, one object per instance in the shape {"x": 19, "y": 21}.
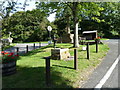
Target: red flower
{"x": 11, "y": 53}
{"x": 12, "y": 57}
{"x": 98, "y": 37}
{"x": 17, "y": 55}
{"x": 2, "y": 52}
{"x": 6, "y": 53}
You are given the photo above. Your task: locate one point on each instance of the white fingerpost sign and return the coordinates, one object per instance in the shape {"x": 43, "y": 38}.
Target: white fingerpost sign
{"x": 49, "y": 28}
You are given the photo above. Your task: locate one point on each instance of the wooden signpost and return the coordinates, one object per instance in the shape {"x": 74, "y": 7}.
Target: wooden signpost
{"x": 47, "y": 61}
{"x": 88, "y": 52}
{"x": 75, "y": 59}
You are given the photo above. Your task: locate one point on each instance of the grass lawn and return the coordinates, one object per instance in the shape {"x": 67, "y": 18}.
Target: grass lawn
{"x": 35, "y": 42}
{"x": 104, "y": 39}
{"x": 100, "y": 39}
{"x": 31, "y": 68}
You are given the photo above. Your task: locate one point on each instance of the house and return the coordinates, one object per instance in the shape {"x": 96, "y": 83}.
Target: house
{"x": 90, "y": 35}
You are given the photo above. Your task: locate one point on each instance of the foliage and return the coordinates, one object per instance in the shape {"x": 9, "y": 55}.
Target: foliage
{"x": 8, "y": 46}
{"x": 109, "y": 25}
{"x": 111, "y": 17}
{"x": 5, "y": 42}
{"x": 100, "y": 34}
{"x": 7, "y": 7}
{"x": 26, "y": 26}
{"x": 8, "y": 57}
{"x": 78, "y": 11}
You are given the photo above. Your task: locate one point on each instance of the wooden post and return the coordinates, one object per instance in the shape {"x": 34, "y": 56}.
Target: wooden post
{"x": 47, "y": 71}
{"x": 88, "y": 52}
{"x": 39, "y": 44}
{"x": 34, "y": 46}
{"x": 1, "y": 47}
{"x": 17, "y": 50}
{"x": 27, "y": 49}
{"x": 96, "y": 46}
{"x": 75, "y": 59}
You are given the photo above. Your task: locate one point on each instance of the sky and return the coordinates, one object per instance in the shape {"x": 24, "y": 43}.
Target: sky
{"x": 30, "y": 6}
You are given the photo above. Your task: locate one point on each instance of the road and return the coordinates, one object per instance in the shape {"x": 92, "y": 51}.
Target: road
{"x": 100, "y": 74}
{"x": 22, "y": 47}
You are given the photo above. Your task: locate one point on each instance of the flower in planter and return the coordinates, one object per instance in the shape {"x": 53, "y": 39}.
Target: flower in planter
{"x": 9, "y": 57}
{"x": 97, "y": 39}
{"x": 2, "y": 52}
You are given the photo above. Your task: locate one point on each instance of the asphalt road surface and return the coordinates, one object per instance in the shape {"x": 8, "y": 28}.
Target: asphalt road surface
{"x": 22, "y": 47}
{"x": 113, "y": 82}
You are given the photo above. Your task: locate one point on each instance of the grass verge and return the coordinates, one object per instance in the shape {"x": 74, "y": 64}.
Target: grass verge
{"x": 35, "y": 42}
{"x": 31, "y": 68}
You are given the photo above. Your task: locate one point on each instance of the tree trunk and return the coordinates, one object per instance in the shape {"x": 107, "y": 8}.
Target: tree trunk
{"x": 68, "y": 25}
{"x": 76, "y": 42}
{"x": 76, "y": 22}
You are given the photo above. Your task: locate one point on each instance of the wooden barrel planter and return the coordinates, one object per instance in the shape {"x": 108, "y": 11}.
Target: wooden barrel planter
{"x": 9, "y": 68}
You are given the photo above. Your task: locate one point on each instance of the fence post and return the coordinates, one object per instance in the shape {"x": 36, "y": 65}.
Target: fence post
{"x": 96, "y": 46}
{"x": 47, "y": 61}
{"x": 39, "y": 44}
{"x": 27, "y": 49}
{"x": 88, "y": 52}
{"x": 34, "y": 46}
{"x": 75, "y": 59}
{"x": 17, "y": 50}
{"x": 1, "y": 47}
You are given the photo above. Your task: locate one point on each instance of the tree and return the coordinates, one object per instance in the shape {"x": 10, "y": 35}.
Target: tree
{"x": 78, "y": 9}
{"x": 26, "y": 26}
{"x": 7, "y": 7}
{"x": 111, "y": 16}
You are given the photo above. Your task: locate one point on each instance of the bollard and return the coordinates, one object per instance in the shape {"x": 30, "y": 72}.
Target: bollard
{"x": 47, "y": 70}
{"x": 88, "y": 52}
{"x": 17, "y": 50}
{"x": 96, "y": 46}
{"x": 54, "y": 46}
{"x": 27, "y": 49}
{"x": 34, "y": 46}
{"x": 1, "y": 47}
{"x": 39, "y": 44}
{"x": 75, "y": 59}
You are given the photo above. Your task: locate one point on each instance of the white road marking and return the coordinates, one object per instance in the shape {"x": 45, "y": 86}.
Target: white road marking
{"x": 107, "y": 75}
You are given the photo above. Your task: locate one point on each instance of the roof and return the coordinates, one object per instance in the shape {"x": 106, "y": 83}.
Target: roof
{"x": 95, "y": 31}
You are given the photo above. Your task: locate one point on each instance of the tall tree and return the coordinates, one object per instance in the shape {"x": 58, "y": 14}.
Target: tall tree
{"x": 78, "y": 9}
{"x": 111, "y": 16}
{"x": 26, "y": 26}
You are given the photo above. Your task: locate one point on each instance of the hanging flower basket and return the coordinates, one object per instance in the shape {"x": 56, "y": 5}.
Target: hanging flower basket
{"x": 97, "y": 39}
{"x": 8, "y": 63}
